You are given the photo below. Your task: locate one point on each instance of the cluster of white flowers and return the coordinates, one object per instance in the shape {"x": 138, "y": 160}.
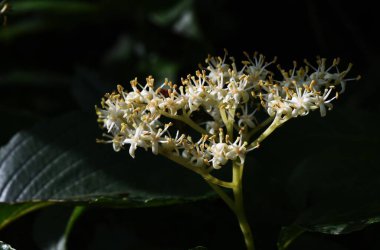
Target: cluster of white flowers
{"x": 231, "y": 101}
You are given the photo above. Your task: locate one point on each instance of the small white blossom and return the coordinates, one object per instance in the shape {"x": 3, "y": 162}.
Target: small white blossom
{"x": 213, "y": 127}
{"x": 301, "y": 101}
{"x": 238, "y": 150}
{"x": 172, "y": 145}
{"x": 246, "y": 119}
{"x": 156, "y": 137}
{"x": 217, "y": 68}
{"x": 135, "y": 140}
{"x": 322, "y": 101}
{"x": 218, "y": 152}
{"x": 238, "y": 91}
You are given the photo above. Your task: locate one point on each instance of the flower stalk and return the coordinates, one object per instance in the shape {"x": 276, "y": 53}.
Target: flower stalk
{"x": 238, "y": 110}
{"x": 237, "y": 169}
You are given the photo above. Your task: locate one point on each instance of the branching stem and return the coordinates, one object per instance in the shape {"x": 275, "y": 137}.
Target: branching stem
{"x": 199, "y": 170}
{"x": 185, "y": 119}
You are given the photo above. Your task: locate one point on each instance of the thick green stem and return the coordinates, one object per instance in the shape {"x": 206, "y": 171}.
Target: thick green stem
{"x": 239, "y": 205}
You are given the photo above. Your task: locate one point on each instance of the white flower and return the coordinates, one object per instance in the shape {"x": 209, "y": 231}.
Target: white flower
{"x": 197, "y": 156}
{"x": 218, "y": 90}
{"x": 278, "y": 106}
{"x": 154, "y": 104}
{"x": 172, "y": 145}
{"x": 217, "y": 68}
{"x": 246, "y": 119}
{"x": 195, "y": 152}
{"x": 256, "y": 70}
{"x": 238, "y": 149}
{"x": 218, "y": 152}
{"x": 112, "y": 117}
{"x": 238, "y": 91}
{"x": 322, "y": 101}
{"x": 301, "y": 102}
{"x": 213, "y": 126}
{"x": 156, "y": 137}
{"x": 135, "y": 140}
{"x": 171, "y": 103}
{"x": 339, "y": 78}
{"x": 117, "y": 141}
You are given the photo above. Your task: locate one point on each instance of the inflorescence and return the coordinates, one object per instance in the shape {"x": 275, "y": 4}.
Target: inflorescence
{"x": 237, "y": 104}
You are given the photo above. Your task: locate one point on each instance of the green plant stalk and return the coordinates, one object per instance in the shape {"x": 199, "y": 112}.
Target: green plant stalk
{"x": 201, "y": 171}
{"x": 225, "y": 197}
{"x": 260, "y": 126}
{"x": 236, "y": 204}
{"x": 185, "y": 118}
{"x": 237, "y": 170}
{"x": 230, "y": 124}
{"x": 277, "y": 122}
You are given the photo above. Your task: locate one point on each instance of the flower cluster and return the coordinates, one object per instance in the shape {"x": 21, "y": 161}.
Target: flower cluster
{"x": 234, "y": 103}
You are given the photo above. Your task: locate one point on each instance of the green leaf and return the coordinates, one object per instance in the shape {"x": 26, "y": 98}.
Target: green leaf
{"x": 59, "y": 161}
{"x": 22, "y": 29}
{"x": 335, "y": 185}
{"x": 56, "y": 237}
{"x": 17, "y": 119}
{"x": 60, "y": 7}
{"x": 11, "y": 212}
{"x": 340, "y": 190}
{"x": 78, "y": 211}
{"x": 288, "y": 235}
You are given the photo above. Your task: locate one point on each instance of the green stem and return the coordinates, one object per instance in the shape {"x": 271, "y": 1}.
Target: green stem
{"x": 199, "y": 170}
{"x": 260, "y": 126}
{"x": 237, "y": 169}
{"x": 230, "y": 203}
{"x": 223, "y": 115}
{"x": 231, "y": 122}
{"x": 278, "y": 121}
{"x": 185, "y": 119}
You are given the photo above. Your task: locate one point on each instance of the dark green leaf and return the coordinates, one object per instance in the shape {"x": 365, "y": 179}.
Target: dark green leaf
{"x": 77, "y": 212}
{"x": 55, "y": 238}
{"x": 335, "y": 185}
{"x": 60, "y": 161}
{"x": 288, "y": 235}
{"x": 22, "y": 28}
{"x": 11, "y": 212}
{"x": 17, "y": 119}
{"x": 340, "y": 188}
{"x": 56, "y": 6}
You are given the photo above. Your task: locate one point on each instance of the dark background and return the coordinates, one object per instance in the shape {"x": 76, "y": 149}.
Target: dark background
{"x": 57, "y": 59}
